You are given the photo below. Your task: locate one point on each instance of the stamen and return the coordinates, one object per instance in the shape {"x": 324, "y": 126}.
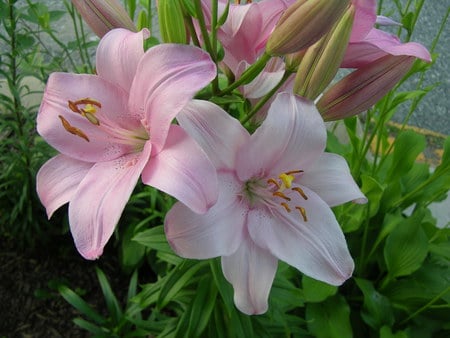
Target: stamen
{"x": 91, "y": 118}
{"x": 285, "y": 206}
{"x": 275, "y": 183}
{"x": 71, "y": 129}
{"x": 303, "y": 213}
{"x": 292, "y": 172}
{"x": 286, "y": 179}
{"x": 88, "y": 100}
{"x": 301, "y": 192}
{"x": 73, "y": 107}
{"x": 280, "y": 194}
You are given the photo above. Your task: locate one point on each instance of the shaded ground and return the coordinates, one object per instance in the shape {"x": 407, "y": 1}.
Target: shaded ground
{"x": 30, "y": 308}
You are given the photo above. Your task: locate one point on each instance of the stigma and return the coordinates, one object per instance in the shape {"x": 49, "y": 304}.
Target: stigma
{"x": 282, "y": 187}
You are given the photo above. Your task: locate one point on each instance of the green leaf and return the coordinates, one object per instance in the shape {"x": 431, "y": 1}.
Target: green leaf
{"x": 377, "y": 310}
{"x": 177, "y": 279}
{"x": 132, "y": 253}
{"x": 111, "y": 301}
{"x": 329, "y": 319}
{"x": 316, "y": 291}
{"x": 408, "y": 145}
{"x": 154, "y": 238}
{"x": 385, "y": 332}
{"x": 78, "y": 303}
{"x": 92, "y": 328}
{"x": 406, "y": 246}
{"x": 225, "y": 289}
{"x": 373, "y": 191}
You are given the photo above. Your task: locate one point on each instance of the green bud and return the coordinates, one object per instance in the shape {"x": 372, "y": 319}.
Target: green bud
{"x": 322, "y": 60}
{"x": 303, "y": 24}
{"x": 171, "y": 21}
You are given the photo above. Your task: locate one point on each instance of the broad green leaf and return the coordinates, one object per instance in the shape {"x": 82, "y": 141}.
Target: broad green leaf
{"x": 316, "y": 291}
{"x": 132, "y": 252}
{"x": 385, "y": 332}
{"x": 329, "y": 319}
{"x": 377, "y": 310}
{"x": 408, "y": 145}
{"x": 373, "y": 190}
{"x": 406, "y": 246}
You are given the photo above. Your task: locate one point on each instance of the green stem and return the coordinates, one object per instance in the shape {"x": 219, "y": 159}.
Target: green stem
{"x": 426, "y": 306}
{"x": 362, "y": 259}
{"x": 266, "y": 97}
{"x": 250, "y": 74}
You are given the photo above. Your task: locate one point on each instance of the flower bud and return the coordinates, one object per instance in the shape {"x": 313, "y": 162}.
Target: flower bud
{"x": 102, "y": 16}
{"x": 171, "y": 21}
{"x": 362, "y": 88}
{"x": 303, "y": 23}
{"x": 322, "y": 60}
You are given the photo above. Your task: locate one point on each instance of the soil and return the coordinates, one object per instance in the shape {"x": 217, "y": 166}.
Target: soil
{"x": 31, "y": 307}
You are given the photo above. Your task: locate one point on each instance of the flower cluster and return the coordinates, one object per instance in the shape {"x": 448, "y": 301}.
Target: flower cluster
{"x": 253, "y": 189}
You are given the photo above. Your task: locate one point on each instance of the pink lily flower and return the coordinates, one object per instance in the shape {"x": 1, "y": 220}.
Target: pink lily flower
{"x": 112, "y": 127}
{"x": 247, "y": 28}
{"x": 276, "y": 187}
{"x": 368, "y": 44}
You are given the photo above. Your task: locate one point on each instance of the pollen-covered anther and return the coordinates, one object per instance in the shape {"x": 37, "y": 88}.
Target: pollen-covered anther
{"x": 286, "y": 206}
{"x": 71, "y": 129}
{"x": 301, "y": 192}
{"x": 280, "y": 194}
{"x": 303, "y": 213}
{"x": 275, "y": 183}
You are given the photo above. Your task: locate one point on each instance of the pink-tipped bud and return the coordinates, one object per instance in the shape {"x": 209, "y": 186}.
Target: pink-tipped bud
{"x": 362, "y": 88}
{"x": 321, "y": 61}
{"x": 102, "y": 16}
{"x": 303, "y": 24}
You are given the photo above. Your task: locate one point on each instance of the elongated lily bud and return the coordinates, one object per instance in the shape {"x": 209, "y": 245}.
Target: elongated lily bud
{"x": 322, "y": 60}
{"x": 293, "y": 60}
{"x": 102, "y": 16}
{"x": 362, "y": 88}
{"x": 171, "y": 21}
{"x": 303, "y": 23}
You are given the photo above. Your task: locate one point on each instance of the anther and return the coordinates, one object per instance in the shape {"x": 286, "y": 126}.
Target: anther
{"x": 280, "y": 194}
{"x": 303, "y": 213}
{"x": 285, "y": 206}
{"x": 71, "y": 129}
{"x": 73, "y": 107}
{"x": 275, "y": 183}
{"x": 301, "y": 192}
{"x": 88, "y": 100}
{"x": 294, "y": 172}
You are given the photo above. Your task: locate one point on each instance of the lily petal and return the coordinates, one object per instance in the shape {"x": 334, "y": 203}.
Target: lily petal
{"x": 184, "y": 171}
{"x": 316, "y": 246}
{"x": 330, "y": 178}
{"x": 58, "y": 179}
{"x": 118, "y": 55}
{"x": 167, "y": 77}
{"x": 365, "y": 18}
{"x": 62, "y": 87}
{"x": 251, "y": 271}
{"x": 100, "y": 199}
{"x": 218, "y": 232}
{"x": 205, "y": 122}
{"x": 292, "y": 137}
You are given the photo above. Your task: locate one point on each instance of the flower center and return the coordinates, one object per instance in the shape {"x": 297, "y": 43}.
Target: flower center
{"x": 88, "y": 108}
{"x": 276, "y": 192}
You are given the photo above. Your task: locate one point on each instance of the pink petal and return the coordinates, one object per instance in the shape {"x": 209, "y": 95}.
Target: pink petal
{"x": 102, "y": 145}
{"x": 316, "y": 247}
{"x": 217, "y": 133}
{"x": 167, "y": 77}
{"x": 365, "y": 17}
{"x": 292, "y": 137}
{"x": 216, "y": 233}
{"x": 251, "y": 271}
{"x": 58, "y": 179}
{"x": 184, "y": 171}
{"x": 118, "y": 55}
{"x": 265, "y": 81}
{"x": 330, "y": 178}
{"x": 97, "y": 205}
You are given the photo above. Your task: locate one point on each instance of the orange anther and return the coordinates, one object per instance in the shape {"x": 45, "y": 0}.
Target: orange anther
{"x": 280, "y": 194}
{"x": 294, "y": 172}
{"x": 275, "y": 183}
{"x": 88, "y": 100}
{"x": 285, "y": 206}
{"x": 303, "y": 213}
{"x": 73, "y": 107}
{"x": 301, "y": 192}
{"x": 71, "y": 129}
